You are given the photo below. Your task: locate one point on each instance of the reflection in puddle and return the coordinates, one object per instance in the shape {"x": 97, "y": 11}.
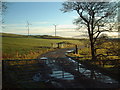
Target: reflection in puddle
{"x": 71, "y": 60}
{"x": 62, "y": 75}
{"x": 99, "y": 76}
{"x": 57, "y": 72}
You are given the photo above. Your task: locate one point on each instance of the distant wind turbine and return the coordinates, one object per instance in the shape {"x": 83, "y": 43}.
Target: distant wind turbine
{"x": 55, "y": 28}
{"x": 28, "y": 26}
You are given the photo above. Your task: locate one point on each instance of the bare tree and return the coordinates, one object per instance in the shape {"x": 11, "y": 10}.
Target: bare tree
{"x": 97, "y": 17}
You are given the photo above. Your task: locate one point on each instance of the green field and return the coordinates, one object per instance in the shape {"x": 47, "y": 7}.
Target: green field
{"x": 21, "y": 47}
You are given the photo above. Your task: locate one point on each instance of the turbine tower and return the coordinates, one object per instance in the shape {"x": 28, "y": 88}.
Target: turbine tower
{"x": 55, "y": 28}
{"x": 28, "y": 26}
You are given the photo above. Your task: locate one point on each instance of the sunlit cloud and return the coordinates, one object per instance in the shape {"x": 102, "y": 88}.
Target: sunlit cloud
{"x": 66, "y": 27}
{"x": 42, "y": 22}
{"x": 113, "y": 34}
{"x": 67, "y": 33}
{"x": 67, "y": 30}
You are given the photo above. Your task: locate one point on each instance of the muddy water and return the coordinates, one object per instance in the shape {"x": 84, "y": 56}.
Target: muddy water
{"x": 97, "y": 75}
{"x": 59, "y": 73}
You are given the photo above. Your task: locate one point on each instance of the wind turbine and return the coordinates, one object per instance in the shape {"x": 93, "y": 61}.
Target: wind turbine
{"x": 28, "y": 26}
{"x": 55, "y": 28}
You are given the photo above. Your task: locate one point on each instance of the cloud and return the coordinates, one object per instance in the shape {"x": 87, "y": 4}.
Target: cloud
{"x": 24, "y": 24}
{"x": 42, "y": 22}
{"x": 32, "y": 30}
{"x": 68, "y": 30}
{"x": 13, "y": 25}
{"x": 113, "y": 34}
{"x": 67, "y": 33}
{"x": 66, "y": 27}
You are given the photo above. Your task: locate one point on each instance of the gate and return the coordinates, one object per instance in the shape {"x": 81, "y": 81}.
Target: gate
{"x": 34, "y": 72}
{"x": 22, "y": 72}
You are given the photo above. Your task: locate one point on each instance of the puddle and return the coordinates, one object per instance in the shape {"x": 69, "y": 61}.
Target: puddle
{"x": 66, "y": 76}
{"x": 106, "y": 79}
{"x": 99, "y": 76}
{"x": 57, "y": 72}
{"x": 71, "y": 60}
{"x": 62, "y": 75}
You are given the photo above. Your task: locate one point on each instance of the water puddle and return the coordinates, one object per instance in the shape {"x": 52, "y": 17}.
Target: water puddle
{"x": 58, "y": 73}
{"x": 71, "y": 60}
{"x": 62, "y": 75}
{"x": 98, "y": 76}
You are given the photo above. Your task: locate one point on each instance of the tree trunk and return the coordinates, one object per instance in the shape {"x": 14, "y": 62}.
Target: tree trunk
{"x": 92, "y": 40}
{"x": 93, "y": 51}
{"x": 91, "y": 43}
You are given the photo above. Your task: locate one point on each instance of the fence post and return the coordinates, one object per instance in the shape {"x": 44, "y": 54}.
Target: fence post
{"x": 78, "y": 66}
{"x": 76, "y": 49}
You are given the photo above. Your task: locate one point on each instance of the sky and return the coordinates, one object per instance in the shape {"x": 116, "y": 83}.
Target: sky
{"x": 41, "y": 16}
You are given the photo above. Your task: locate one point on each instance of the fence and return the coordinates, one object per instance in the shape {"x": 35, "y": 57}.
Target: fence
{"x": 21, "y": 71}
{"x": 34, "y": 70}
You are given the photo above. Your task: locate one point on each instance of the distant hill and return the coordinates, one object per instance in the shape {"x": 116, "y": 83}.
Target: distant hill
{"x": 114, "y": 39}
{"x": 45, "y": 37}
{"x": 11, "y": 35}
{"x": 34, "y": 36}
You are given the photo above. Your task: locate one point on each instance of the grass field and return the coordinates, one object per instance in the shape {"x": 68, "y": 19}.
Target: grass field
{"x": 21, "y": 47}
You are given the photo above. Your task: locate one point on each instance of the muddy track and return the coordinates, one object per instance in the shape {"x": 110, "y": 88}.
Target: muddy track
{"x": 80, "y": 80}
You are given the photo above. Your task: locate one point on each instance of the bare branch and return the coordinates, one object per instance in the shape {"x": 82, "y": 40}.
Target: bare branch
{"x": 99, "y": 19}
{"x": 80, "y": 14}
{"x": 99, "y": 32}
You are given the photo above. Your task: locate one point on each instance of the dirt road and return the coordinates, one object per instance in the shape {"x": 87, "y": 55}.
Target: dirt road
{"x": 80, "y": 81}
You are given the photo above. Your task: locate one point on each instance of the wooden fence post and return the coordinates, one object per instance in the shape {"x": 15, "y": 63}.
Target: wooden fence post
{"x": 58, "y": 46}
{"x": 76, "y": 49}
{"x": 78, "y": 66}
